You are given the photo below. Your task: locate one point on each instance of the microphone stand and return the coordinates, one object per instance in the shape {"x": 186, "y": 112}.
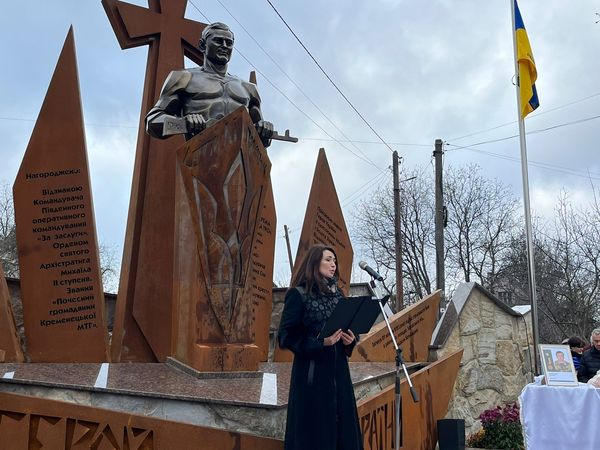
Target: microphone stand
{"x": 399, "y": 363}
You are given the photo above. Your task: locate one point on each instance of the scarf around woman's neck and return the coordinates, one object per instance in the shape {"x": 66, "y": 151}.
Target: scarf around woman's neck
{"x": 331, "y": 284}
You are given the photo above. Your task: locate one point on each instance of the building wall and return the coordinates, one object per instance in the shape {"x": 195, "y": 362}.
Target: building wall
{"x": 496, "y": 361}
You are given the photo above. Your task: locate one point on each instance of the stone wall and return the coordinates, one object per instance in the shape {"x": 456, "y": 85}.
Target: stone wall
{"x": 497, "y": 345}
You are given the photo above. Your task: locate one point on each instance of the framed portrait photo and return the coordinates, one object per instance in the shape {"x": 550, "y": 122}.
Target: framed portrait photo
{"x": 557, "y": 365}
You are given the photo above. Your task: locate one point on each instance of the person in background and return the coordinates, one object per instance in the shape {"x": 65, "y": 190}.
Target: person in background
{"x": 321, "y": 411}
{"x": 576, "y": 345}
{"x": 590, "y": 360}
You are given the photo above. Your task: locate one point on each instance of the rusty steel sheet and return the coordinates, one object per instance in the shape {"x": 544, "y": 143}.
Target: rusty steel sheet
{"x": 61, "y": 284}
{"x": 434, "y": 385}
{"x": 28, "y": 423}
{"x": 412, "y": 327}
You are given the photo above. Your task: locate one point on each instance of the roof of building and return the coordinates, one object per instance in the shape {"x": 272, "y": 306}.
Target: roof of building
{"x": 455, "y": 306}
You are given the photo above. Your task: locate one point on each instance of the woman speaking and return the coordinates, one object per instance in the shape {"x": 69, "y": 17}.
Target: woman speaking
{"x": 321, "y": 408}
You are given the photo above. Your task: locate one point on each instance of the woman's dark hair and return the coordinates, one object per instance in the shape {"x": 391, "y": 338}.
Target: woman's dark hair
{"x": 575, "y": 341}
{"x": 308, "y": 273}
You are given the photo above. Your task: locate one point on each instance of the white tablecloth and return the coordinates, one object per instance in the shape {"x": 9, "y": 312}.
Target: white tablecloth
{"x": 560, "y": 418}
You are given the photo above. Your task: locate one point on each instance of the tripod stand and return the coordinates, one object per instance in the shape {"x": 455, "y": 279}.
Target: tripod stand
{"x": 398, "y": 395}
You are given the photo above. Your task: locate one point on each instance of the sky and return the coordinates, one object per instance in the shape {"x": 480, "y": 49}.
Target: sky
{"x": 416, "y": 71}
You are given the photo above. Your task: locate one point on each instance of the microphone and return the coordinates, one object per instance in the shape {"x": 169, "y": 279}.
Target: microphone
{"x": 364, "y": 266}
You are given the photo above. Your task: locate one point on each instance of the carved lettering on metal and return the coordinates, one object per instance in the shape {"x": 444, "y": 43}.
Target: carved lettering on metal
{"x": 226, "y": 196}
{"x": 434, "y": 385}
{"x": 31, "y": 431}
{"x": 61, "y": 284}
{"x": 412, "y": 328}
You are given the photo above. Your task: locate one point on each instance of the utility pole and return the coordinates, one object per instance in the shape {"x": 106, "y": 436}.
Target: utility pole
{"x": 289, "y": 249}
{"x": 439, "y": 223}
{"x": 397, "y": 233}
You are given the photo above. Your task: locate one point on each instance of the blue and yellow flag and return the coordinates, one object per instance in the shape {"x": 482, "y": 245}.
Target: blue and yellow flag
{"x": 527, "y": 70}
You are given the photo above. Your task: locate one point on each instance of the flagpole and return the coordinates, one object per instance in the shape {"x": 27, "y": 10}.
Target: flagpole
{"x": 527, "y": 206}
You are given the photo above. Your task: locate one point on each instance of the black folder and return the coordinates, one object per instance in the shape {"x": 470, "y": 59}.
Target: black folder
{"x": 355, "y": 313}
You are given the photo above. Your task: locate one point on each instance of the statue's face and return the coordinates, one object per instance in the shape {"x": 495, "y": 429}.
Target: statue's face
{"x": 219, "y": 46}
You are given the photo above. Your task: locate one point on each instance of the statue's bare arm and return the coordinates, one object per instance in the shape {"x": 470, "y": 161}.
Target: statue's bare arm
{"x": 263, "y": 127}
{"x": 169, "y": 105}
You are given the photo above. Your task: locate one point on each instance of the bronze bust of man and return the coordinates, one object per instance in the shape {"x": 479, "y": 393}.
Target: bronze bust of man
{"x": 203, "y": 95}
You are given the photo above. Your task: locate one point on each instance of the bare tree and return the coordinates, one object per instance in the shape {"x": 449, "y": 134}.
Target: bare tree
{"x": 574, "y": 302}
{"x": 109, "y": 267}
{"x": 482, "y": 220}
{"x": 567, "y": 256}
{"x": 485, "y": 243}
{"x": 418, "y": 234}
{"x": 374, "y": 231}
{"x": 8, "y": 237}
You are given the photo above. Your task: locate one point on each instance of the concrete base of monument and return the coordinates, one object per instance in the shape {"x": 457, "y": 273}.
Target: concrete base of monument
{"x": 176, "y": 364}
{"x": 220, "y": 357}
{"x": 251, "y": 403}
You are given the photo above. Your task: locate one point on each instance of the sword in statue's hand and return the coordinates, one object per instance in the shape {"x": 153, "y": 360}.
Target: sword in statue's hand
{"x": 177, "y": 125}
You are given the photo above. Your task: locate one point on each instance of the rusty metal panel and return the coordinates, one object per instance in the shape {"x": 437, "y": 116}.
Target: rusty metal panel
{"x": 61, "y": 285}
{"x": 28, "y": 423}
{"x": 434, "y": 385}
{"x": 412, "y": 327}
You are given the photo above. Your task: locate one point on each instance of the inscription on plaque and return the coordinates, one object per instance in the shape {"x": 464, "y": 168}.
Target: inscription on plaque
{"x": 412, "y": 328}
{"x": 225, "y": 223}
{"x": 63, "y": 302}
{"x": 327, "y": 231}
{"x": 323, "y": 224}
{"x": 60, "y": 228}
{"x": 261, "y": 276}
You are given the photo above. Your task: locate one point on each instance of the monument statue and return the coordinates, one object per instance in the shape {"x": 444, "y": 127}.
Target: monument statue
{"x": 203, "y": 95}
{"x": 222, "y": 206}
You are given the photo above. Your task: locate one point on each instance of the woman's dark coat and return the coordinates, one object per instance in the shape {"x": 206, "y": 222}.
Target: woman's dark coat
{"x": 321, "y": 408}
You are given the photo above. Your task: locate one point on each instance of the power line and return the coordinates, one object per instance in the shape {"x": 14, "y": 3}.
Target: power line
{"x": 329, "y": 78}
{"x": 541, "y": 165}
{"x": 201, "y": 13}
{"x": 368, "y": 142}
{"x": 490, "y": 141}
{"x": 377, "y": 179}
{"x": 531, "y": 116}
{"x": 347, "y": 139}
{"x": 363, "y": 158}
{"x": 368, "y": 161}
{"x": 17, "y": 119}
{"x": 541, "y": 130}
{"x": 573, "y": 122}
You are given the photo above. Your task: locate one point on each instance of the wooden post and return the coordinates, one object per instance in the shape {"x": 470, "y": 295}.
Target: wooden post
{"x": 439, "y": 223}
{"x": 289, "y": 249}
{"x": 397, "y": 233}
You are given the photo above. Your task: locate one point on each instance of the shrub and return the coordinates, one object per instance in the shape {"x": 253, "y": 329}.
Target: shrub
{"x": 501, "y": 429}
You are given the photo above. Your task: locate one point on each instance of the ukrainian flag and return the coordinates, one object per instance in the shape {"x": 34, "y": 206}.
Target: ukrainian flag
{"x": 527, "y": 70}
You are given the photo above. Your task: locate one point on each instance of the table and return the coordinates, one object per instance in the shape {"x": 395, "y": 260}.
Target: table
{"x": 560, "y": 417}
